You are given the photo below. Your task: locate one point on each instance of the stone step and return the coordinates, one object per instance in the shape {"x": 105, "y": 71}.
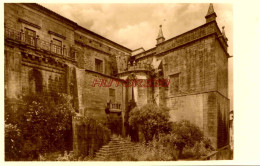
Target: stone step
{"x": 115, "y": 148}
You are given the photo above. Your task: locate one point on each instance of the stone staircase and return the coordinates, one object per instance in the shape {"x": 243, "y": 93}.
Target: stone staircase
{"x": 116, "y": 149}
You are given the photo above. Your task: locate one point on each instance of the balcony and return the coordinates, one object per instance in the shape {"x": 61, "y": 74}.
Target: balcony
{"x": 114, "y": 107}
{"x": 37, "y": 43}
{"x": 139, "y": 66}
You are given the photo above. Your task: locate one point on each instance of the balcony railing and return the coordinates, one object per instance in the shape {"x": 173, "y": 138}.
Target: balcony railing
{"x": 36, "y": 42}
{"x": 114, "y": 107}
{"x": 139, "y": 66}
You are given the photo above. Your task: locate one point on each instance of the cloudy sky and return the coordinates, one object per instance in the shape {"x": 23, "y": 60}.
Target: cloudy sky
{"x": 137, "y": 25}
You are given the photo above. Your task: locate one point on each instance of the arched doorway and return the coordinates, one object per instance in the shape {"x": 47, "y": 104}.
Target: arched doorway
{"x": 35, "y": 81}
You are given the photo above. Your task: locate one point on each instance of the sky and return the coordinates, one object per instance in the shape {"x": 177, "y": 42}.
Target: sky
{"x": 137, "y": 25}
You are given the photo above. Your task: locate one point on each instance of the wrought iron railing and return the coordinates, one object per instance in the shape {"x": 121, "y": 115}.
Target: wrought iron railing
{"x": 36, "y": 42}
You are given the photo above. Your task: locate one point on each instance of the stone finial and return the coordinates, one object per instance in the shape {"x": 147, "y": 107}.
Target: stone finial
{"x": 211, "y": 9}
{"x": 211, "y": 15}
{"x": 223, "y": 31}
{"x": 224, "y": 34}
{"x": 160, "y": 38}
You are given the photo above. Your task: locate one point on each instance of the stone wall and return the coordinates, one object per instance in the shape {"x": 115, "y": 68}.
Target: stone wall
{"x": 94, "y": 98}
{"x": 12, "y": 72}
{"x": 195, "y": 65}
{"x": 89, "y": 47}
{"x": 88, "y": 135}
{"x": 86, "y": 60}
{"x": 222, "y": 69}
{"x": 201, "y": 68}
{"x": 19, "y": 17}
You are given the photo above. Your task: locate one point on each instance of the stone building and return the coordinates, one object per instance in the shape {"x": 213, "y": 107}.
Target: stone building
{"x": 46, "y": 52}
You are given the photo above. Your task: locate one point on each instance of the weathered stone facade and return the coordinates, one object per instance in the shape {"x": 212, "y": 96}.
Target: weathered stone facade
{"x": 45, "y": 52}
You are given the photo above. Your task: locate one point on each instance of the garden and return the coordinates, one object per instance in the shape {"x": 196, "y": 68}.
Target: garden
{"x": 39, "y": 128}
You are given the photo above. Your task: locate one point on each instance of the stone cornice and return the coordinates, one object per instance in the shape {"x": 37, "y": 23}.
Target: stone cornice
{"x": 73, "y": 24}
{"x": 50, "y": 13}
{"x": 188, "y": 32}
{"x": 103, "y": 39}
{"x": 196, "y": 93}
{"x": 134, "y": 71}
{"x": 104, "y": 75}
{"x": 188, "y": 37}
{"x": 91, "y": 47}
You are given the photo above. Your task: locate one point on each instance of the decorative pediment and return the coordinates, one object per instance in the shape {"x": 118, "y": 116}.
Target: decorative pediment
{"x": 29, "y": 23}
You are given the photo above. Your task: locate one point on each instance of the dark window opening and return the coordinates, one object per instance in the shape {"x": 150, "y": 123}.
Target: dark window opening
{"x": 174, "y": 83}
{"x": 30, "y": 36}
{"x": 56, "y": 46}
{"x": 112, "y": 95}
{"x": 98, "y": 65}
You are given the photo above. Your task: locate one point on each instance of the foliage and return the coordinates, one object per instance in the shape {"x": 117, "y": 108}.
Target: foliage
{"x": 151, "y": 151}
{"x": 150, "y": 119}
{"x": 89, "y": 128}
{"x": 12, "y": 140}
{"x": 63, "y": 157}
{"x": 44, "y": 124}
{"x": 157, "y": 150}
{"x": 195, "y": 152}
{"x": 133, "y": 132}
{"x": 186, "y": 135}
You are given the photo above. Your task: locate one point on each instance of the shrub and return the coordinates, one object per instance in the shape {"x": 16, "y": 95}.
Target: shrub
{"x": 150, "y": 119}
{"x": 195, "y": 152}
{"x": 185, "y": 134}
{"x": 152, "y": 151}
{"x": 88, "y": 128}
{"x": 44, "y": 123}
{"x": 12, "y": 140}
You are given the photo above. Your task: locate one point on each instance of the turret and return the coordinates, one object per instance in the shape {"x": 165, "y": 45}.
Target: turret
{"x": 160, "y": 37}
{"x": 211, "y": 15}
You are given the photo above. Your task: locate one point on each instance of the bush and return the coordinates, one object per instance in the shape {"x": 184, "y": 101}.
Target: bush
{"x": 91, "y": 133}
{"x": 150, "y": 119}
{"x": 152, "y": 151}
{"x": 195, "y": 152}
{"x": 44, "y": 123}
{"x": 186, "y": 135}
{"x": 12, "y": 142}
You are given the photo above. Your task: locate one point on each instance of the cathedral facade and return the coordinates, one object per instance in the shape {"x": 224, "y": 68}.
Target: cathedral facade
{"x": 46, "y": 52}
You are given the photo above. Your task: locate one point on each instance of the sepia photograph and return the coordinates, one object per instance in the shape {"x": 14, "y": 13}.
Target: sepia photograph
{"x": 118, "y": 82}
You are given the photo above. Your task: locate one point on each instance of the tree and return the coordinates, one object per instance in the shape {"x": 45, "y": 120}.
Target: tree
{"x": 184, "y": 134}
{"x": 150, "y": 119}
{"x": 43, "y": 124}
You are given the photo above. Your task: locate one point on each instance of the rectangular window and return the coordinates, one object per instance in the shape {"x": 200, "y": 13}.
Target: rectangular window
{"x": 56, "y": 46}
{"x": 98, "y": 65}
{"x": 174, "y": 83}
{"x": 112, "y": 95}
{"x": 30, "y": 36}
